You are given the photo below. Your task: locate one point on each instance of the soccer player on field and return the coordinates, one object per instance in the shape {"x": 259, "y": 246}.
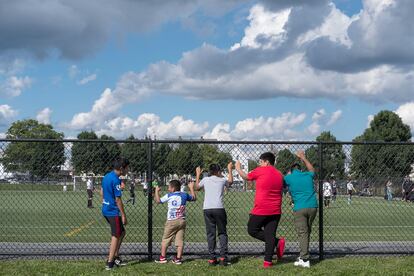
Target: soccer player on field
{"x": 350, "y": 188}
{"x": 113, "y": 210}
{"x": 89, "y": 189}
{"x": 301, "y": 188}
{"x": 327, "y": 193}
{"x": 175, "y": 224}
{"x": 265, "y": 215}
{"x": 215, "y": 215}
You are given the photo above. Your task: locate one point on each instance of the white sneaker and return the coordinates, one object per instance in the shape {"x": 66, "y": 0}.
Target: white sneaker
{"x": 300, "y": 262}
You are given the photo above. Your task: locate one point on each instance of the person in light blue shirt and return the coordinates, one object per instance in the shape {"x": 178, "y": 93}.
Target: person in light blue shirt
{"x": 302, "y": 191}
{"x": 113, "y": 210}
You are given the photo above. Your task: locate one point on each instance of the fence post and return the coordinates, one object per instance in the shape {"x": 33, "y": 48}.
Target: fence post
{"x": 149, "y": 180}
{"x": 320, "y": 180}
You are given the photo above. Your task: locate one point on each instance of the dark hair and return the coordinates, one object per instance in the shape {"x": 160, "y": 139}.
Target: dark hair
{"x": 214, "y": 169}
{"x": 120, "y": 163}
{"x": 296, "y": 166}
{"x": 268, "y": 156}
{"x": 175, "y": 184}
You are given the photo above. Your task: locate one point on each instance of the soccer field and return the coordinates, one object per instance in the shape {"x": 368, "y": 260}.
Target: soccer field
{"x": 56, "y": 216}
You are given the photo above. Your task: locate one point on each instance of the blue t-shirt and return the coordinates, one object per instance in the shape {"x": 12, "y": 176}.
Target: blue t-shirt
{"x": 176, "y": 204}
{"x": 301, "y": 188}
{"x": 111, "y": 189}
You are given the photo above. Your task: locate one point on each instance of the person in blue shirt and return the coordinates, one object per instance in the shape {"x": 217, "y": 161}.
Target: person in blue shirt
{"x": 302, "y": 191}
{"x": 113, "y": 209}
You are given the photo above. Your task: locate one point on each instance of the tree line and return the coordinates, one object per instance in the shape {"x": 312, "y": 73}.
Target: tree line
{"x": 41, "y": 160}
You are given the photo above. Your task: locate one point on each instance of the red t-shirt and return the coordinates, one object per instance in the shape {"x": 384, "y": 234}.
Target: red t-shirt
{"x": 269, "y": 185}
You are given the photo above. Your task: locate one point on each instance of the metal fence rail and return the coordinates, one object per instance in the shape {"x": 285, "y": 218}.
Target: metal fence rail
{"x": 44, "y": 202}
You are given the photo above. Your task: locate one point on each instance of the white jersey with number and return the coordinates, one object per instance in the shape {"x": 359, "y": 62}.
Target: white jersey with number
{"x": 327, "y": 189}
{"x": 350, "y": 186}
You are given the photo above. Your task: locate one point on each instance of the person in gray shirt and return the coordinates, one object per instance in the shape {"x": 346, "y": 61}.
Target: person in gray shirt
{"x": 214, "y": 213}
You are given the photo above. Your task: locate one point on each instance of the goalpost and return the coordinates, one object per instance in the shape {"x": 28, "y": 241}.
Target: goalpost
{"x": 79, "y": 181}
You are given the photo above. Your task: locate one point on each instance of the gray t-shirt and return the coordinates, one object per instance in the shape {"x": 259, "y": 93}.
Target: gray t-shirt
{"x": 214, "y": 190}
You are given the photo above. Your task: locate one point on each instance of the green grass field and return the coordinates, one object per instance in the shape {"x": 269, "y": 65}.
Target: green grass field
{"x": 37, "y": 215}
{"x": 243, "y": 266}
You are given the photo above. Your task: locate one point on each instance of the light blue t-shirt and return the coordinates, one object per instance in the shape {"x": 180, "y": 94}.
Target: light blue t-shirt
{"x": 176, "y": 204}
{"x": 111, "y": 189}
{"x": 300, "y": 185}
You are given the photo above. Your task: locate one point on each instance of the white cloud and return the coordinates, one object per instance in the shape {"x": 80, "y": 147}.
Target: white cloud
{"x": 334, "y": 117}
{"x": 73, "y": 71}
{"x": 406, "y": 112}
{"x": 314, "y": 129}
{"x": 369, "y": 120}
{"x": 318, "y": 114}
{"x": 7, "y": 113}
{"x": 87, "y": 79}
{"x": 148, "y": 124}
{"x": 43, "y": 116}
{"x": 13, "y": 86}
{"x": 2, "y": 135}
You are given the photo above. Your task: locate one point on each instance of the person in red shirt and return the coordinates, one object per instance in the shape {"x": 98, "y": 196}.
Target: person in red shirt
{"x": 267, "y": 209}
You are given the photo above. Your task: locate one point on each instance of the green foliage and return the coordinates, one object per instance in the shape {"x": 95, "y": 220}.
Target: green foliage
{"x": 160, "y": 160}
{"x": 333, "y": 157}
{"x": 137, "y": 154}
{"x": 185, "y": 159}
{"x": 284, "y": 160}
{"x": 252, "y": 164}
{"x": 40, "y": 159}
{"x": 383, "y": 160}
{"x": 212, "y": 155}
{"x": 91, "y": 157}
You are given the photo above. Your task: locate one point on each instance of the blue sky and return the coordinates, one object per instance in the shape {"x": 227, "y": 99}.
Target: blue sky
{"x": 267, "y": 70}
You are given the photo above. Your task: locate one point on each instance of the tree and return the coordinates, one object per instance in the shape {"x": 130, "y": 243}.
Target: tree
{"x": 383, "y": 160}
{"x": 284, "y": 160}
{"x": 333, "y": 157}
{"x": 160, "y": 160}
{"x": 91, "y": 157}
{"x": 137, "y": 154}
{"x": 185, "y": 158}
{"x": 39, "y": 159}
{"x": 212, "y": 155}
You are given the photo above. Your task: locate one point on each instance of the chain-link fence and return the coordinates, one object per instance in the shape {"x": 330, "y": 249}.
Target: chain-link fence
{"x": 50, "y": 201}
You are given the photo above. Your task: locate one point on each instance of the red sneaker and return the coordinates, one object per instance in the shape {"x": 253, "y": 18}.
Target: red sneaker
{"x": 280, "y": 248}
{"x": 267, "y": 264}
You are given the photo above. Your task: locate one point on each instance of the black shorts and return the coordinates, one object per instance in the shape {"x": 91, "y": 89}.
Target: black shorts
{"x": 350, "y": 192}
{"x": 117, "y": 228}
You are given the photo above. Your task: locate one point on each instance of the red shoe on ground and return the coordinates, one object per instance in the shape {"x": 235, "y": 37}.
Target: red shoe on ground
{"x": 267, "y": 264}
{"x": 280, "y": 248}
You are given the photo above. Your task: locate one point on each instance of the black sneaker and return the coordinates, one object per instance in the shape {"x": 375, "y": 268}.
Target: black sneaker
{"x": 224, "y": 262}
{"x": 119, "y": 262}
{"x": 109, "y": 265}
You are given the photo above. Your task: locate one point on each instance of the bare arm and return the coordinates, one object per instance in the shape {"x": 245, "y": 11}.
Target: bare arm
{"x": 192, "y": 193}
{"x": 101, "y": 193}
{"x": 230, "y": 176}
{"x": 157, "y": 194}
{"x": 121, "y": 209}
{"x": 301, "y": 155}
{"x": 198, "y": 174}
{"x": 240, "y": 171}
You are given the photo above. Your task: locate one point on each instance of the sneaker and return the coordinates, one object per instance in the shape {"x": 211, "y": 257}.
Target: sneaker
{"x": 302, "y": 263}
{"x": 267, "y": 264}
{"x": 224, "y": 262}
{"x": 212, "y": 262}
{"x": 280, "y": 248}
{"x": 119, "y": 262}
{"x": 176, "y": 261}
{"x": 161, "y": 260}
{"x": 109, "y": 265}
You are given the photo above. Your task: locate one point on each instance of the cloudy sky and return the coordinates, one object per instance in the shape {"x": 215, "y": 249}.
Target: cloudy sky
{"x": 264, "y": 69}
